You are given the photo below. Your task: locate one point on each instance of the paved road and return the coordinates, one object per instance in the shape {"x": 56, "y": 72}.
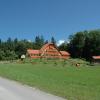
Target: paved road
{"x": 10, "y": 90}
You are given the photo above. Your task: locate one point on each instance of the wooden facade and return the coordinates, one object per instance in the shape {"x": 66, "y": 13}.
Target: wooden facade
{"x": 48, "y": 51}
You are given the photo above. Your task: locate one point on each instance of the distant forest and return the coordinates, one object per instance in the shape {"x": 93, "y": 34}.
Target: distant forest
{"x": 12, "y": 49}
{"x": 81, "y": 45}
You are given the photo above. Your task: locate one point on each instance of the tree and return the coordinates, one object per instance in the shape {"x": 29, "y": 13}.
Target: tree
{"x": 15, "y": 41}
{"x": 20, "y": 49}
{"x": 46, "y": 42}
{"x": 63, "y": 47}
{"x": 53, "y": 40}
{"x": 76, "y": 44}
{"x": 85, "y": 44}
{"x": 39, "y": 42}
{"x": 9, "y": 44}
{"x": 92, "y": 44}
{"x": 2, "y": 55}
{"x": 10, "y": 55}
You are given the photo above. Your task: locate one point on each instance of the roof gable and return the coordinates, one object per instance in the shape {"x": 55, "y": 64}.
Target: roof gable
{"x": 51, "y": 47}
{"x": 45, "y": 46}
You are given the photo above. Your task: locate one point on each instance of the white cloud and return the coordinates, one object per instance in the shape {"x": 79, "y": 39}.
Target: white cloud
{"x": 60, "y": 42}
{"x": 29, "y": 41}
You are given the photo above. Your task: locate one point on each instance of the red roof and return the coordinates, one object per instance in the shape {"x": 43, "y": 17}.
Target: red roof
{"x": 64, "y": 53}
{"x": 96, "y": 57}
{"x": 30, "y": 51}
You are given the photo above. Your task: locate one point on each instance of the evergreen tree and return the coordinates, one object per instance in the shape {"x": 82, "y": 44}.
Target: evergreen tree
{"x": 39, "y": 42}
{"x": 46, "y": 42}
{"x": 53, "y": 40}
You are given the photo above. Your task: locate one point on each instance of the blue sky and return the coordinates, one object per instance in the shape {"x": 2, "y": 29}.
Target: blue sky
{"x": 58, "y": 18}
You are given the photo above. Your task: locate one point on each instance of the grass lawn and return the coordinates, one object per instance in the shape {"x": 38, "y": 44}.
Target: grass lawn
{"x": 59, "y": 78}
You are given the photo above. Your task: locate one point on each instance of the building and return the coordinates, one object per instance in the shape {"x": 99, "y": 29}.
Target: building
{"x": 49, "y": 50}
{"x": 96, "y": 59}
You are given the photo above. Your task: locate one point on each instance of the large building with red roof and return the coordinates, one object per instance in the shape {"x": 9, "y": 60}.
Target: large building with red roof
{"x": 49, "y": 50}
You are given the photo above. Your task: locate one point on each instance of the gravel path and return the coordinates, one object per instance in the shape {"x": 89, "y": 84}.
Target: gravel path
{"x": 10, "y": 90}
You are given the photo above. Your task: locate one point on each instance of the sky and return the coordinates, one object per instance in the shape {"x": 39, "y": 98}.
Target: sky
{"x": 25, "y": 19}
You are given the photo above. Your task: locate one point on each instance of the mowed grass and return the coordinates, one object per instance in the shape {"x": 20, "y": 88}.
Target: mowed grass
{"x": 59, "y": 78}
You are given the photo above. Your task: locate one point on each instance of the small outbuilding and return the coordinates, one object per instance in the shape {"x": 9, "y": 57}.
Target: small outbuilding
{"x": 65, "y": 54}
{"x": 96, "y": 59}
{"x": 22, "y": 57}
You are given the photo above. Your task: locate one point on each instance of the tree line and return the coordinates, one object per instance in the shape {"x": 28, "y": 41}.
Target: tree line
{"x": 12, "y": 49}
{"x": 85, "y": 44}
{"x": 81, "y": 45}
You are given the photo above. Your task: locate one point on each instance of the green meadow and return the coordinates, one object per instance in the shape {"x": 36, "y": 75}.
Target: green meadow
{"x": 60, "y": 78}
